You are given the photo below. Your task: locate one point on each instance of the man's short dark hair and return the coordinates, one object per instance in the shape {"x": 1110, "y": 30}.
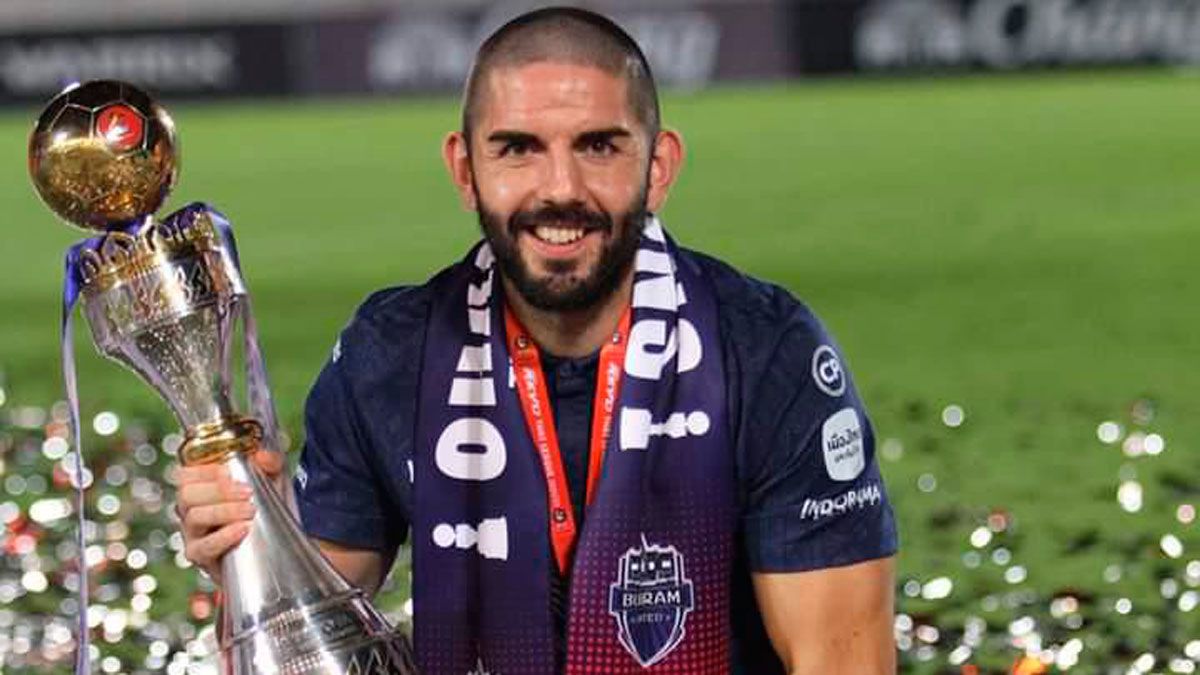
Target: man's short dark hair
{"x": 565, "y": 35}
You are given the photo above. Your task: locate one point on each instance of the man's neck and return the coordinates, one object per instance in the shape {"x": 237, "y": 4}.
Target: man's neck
{"x": 572, "y": 334}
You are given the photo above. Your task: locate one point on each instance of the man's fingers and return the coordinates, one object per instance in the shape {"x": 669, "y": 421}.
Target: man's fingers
{"x": 215, "y": 511}
{"x": 193, "y": 494}
{"x": 206, "y": 551}
{"x": 199, "y": 473}
{"x": 210, "y": 516}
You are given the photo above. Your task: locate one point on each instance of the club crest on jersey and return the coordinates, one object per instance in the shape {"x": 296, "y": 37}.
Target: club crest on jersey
{"x": 651, "y": 600}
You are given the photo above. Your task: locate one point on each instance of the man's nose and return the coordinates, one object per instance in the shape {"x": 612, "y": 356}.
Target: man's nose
{"x": 563, "y": 183}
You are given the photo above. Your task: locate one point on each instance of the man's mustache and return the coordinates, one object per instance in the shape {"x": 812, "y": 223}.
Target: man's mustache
{"x": 579, "y": 216}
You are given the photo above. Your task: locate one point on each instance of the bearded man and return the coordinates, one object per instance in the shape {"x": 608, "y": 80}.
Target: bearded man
{"x": 612, "y": 454}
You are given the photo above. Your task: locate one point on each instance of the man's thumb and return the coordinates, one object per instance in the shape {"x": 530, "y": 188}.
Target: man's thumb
{"x": 269, "y": 461}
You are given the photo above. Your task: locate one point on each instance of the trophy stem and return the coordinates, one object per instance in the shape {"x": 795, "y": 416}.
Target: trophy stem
{"x": 286, "y": 609}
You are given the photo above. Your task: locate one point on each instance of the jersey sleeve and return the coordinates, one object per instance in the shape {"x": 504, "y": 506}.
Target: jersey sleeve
{"x": 812, "y": 493}
{"x": 338, "y": 488}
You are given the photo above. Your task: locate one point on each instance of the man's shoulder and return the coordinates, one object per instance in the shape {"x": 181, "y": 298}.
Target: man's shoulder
{"x": 755, "y": 313}
{"x": 394, "y": 307}
{"x": 390, "y": 319}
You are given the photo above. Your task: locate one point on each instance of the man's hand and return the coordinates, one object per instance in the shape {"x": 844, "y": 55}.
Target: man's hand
{"x": 835, "y": 621}
{"x": 216, "y": 510}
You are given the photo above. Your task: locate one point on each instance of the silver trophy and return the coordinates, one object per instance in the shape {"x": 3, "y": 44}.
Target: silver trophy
{"x": 164, "y": 299}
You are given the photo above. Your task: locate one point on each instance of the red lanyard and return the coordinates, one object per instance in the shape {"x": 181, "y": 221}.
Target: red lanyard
{"x": 535, "y": 404}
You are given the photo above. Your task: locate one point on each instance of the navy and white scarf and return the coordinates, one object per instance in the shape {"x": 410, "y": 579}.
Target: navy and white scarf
{"x": 652, "y": 565}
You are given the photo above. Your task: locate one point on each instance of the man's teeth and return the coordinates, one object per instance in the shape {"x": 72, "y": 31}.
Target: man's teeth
{"x": 558, "y": 235}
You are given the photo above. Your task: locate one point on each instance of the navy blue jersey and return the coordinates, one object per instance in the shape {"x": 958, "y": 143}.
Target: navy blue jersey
{"x": 810, "y": 493}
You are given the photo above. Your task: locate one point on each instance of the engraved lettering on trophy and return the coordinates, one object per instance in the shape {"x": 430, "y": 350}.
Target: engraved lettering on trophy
{"x": 338, "y": 625}
{"x": 151, "y": 299}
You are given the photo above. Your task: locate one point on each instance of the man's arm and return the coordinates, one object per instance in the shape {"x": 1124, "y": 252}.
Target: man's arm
{"x": 817, "y": 529}
{"x": 364, "y": 568}
{"x": 831, "y": 621}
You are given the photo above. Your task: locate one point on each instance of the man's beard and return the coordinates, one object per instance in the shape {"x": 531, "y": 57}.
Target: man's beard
{"x": 564, "y": 289}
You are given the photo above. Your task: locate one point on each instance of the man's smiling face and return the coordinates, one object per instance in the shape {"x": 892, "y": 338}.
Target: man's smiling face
{"x": 560, "y": 164}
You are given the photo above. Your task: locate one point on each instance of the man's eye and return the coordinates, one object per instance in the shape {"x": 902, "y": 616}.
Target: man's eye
{"x": 600, "y": 146}
{"x": 514, "y": 149}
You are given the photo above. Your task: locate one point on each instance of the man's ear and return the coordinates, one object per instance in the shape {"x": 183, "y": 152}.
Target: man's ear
{"x": 666, "y": 159}
{"x": 458, "y": 164}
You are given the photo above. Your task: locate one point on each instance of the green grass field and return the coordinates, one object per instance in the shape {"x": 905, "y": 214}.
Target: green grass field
{"x": 1025, "y": 247}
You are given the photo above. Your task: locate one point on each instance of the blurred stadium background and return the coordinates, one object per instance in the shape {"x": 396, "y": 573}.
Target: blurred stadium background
{"x": 992, "y": 203}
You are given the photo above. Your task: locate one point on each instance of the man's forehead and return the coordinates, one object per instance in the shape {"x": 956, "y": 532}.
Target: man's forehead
{"x": 529, "y": 92}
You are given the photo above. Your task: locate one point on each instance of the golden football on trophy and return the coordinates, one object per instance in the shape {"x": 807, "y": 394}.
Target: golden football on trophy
{"x": 103, "y": 153}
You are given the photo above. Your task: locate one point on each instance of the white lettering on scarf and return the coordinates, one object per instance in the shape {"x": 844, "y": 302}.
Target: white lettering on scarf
{"x": 471, "y": 448}
{"x": 638, "y": 427}
{"x": 648, "y": 364}
{"x": 652, "y": 347}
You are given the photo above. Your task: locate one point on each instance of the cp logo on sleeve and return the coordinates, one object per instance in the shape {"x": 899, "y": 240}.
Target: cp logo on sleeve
{"x": 827, "y": 371}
